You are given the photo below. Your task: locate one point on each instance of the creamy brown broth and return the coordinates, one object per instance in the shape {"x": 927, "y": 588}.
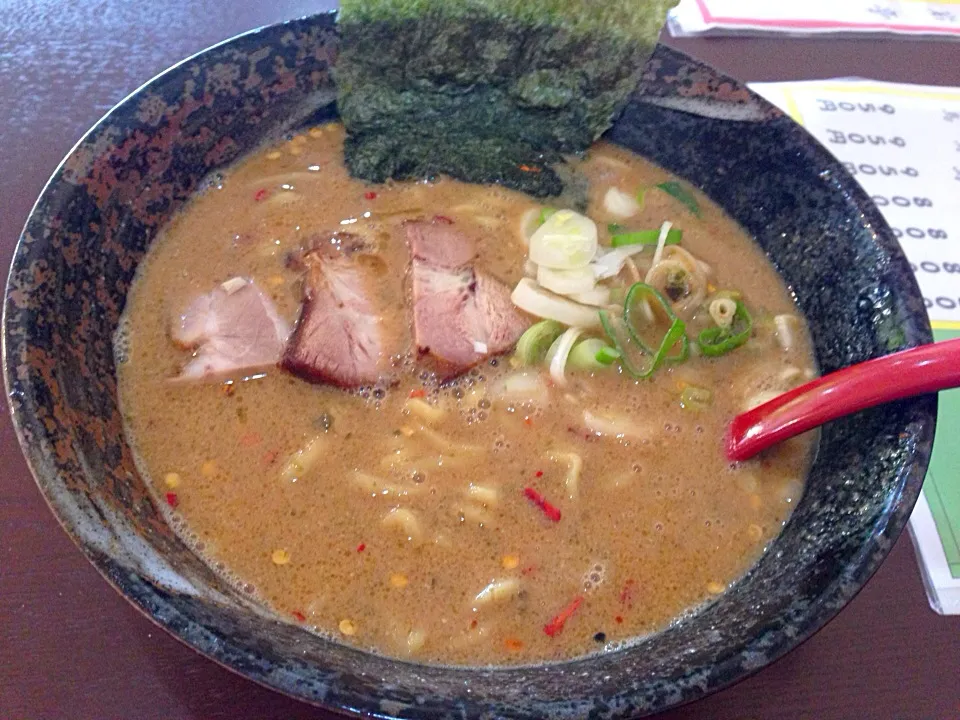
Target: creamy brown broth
{"x": 660, "y": 523}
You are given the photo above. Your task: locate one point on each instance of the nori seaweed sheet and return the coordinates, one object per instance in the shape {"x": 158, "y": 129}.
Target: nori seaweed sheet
{"x": 486, "y": 90}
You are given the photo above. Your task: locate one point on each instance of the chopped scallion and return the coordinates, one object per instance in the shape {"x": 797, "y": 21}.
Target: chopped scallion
{"x": 640, "y": 309}
{"x": 607, "y": 355}
{"x": 545, "y": 213}
{"x": 681, "y": 192}
{"x": 716, "y": 341}
{"x": 586, "y": 355}
{"x": 645, "y": 237}
{"x": 632, "y": 357}
{"x": 641, "y": 196}
{"x": 536, "y": 340}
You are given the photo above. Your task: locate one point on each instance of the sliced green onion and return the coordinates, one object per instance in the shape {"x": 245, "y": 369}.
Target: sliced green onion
{"x": 695, "y": 398}
{"x": 561, "y": 354}
{"x": 553, "y": 350}
{"x": 716, "y": 341}
{"x": 645, "y": 237}
{"x": 682, "y": 193}
{"x": 586, "y": 355}
{"x": 643, "y": 299}
{"x": 723, "y": 311}
{"x": 533, "y": 344}
{"x": 545, "y": 213}
{"x": 632, "y": 357}
{"x": 532, "y": 298}
{"x": 607, "y": 355}
{"x": 566, "y": 241}
{"x": 641, "y": 196}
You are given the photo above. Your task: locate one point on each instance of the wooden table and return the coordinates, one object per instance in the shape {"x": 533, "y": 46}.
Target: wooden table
{"x": 70, "y": 647}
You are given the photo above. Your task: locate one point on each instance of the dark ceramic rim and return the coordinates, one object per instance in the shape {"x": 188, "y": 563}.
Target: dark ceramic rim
{"x": 149, "y": 599}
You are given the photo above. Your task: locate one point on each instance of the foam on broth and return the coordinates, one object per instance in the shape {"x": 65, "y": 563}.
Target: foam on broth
{"x": 659, "y": 523}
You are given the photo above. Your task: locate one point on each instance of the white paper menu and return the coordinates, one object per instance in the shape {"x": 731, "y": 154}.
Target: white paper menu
{"x": 902, "y": 143}
{"x": 727, "y": 17}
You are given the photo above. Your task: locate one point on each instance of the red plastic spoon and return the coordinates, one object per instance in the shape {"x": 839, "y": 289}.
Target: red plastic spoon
{"x": 917, "y": 371}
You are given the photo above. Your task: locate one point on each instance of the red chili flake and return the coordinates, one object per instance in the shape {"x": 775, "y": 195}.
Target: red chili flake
{"x": 260, "y": 194}
{"x": 361, "y": 547}
{"x": 619, "y": 619}
{"x": 419, "y": 393}
{"x": 299, "y": 616}
{"x": 626, "y": 594}
{"x": 251, "y": 439}
{"x": 560, "y": 619}
{"x": 473, "y": 624}
{"x": 442, "y": 219}
{"x": 370, "y": 195}
{"x": 528, "y": 421}
{"x": 551, "y": 511}
{"x": 172, "y": 499}
{"x": 530, "y": 168}
{"x": 270, "y": 457}
{"x": 529, "y": 570}
{"x": 539, "y": 473}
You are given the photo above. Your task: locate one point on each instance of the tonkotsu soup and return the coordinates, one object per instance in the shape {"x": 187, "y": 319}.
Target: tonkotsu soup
{"x": 452, "y": 423}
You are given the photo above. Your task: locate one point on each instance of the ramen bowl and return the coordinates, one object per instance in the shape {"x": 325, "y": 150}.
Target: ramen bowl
{"x": 106, "y": 203}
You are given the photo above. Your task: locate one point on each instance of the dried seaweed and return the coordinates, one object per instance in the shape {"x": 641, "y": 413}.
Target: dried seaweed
{"x": 486, "y": 90}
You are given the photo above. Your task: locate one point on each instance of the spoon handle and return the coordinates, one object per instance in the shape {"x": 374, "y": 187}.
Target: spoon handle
{"x": 916, "y": 371}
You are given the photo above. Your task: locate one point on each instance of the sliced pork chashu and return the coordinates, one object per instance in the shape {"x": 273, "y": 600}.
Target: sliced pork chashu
{"x": 340, "y": 336}
{"x": 461, "y": 314}
{"x": 234, "y": 329}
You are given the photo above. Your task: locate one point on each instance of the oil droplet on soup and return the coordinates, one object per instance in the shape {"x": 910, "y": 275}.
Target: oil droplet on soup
{"x": 461, "y": 524}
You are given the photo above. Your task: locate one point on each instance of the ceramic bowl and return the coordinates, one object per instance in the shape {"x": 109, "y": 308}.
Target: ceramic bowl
{"x": 105, "y": 204}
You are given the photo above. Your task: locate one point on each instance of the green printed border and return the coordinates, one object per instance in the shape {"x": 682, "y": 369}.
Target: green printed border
{"x": 942, "y": 485}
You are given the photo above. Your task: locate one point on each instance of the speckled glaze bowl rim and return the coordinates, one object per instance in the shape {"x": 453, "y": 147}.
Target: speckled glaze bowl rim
{"x": 816, "y": 620}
